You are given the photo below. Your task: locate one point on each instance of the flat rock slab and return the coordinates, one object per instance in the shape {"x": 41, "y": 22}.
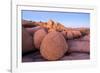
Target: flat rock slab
{"x": 80, "y": 45}
{"x": 36, "y": 57}
{"x": 33, "y": 57}
{"x": 76, "y": 56}
{"x": 83, "y": 42}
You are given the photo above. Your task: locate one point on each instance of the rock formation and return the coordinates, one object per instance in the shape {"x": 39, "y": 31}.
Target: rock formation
{"x": 50, "y": 25}
{"x": 53, "y": 39}
{"x": 53, "y": 46}
{"x": 27, "y": 45}
{"x": 38, "y": 37}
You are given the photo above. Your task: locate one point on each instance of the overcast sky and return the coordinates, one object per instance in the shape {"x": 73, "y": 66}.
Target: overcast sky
{"x": 69, "y": 19}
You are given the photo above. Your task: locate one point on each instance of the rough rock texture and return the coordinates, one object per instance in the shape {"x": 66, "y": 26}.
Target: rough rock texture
{"x": 78, "y": 42}
{"x": 33, "y": 29}
{"x": 64, "y": 34}
{"x": 51, "y": 25}
{"x": 80, "y": 45}
{"x": 50, "y": 30}
{"x": 27, "y": 44}
{"x": 53, "y": 46}
{"x": 33, "y": 57}
{"x": 69, "y": 35}
{"x": 36, "y": 57}
{"x": 38, "y": 37}
{"x": 26, "y": 23}
{"x": 76, "y": 56}
{"x": 73, "y": 55}
{"x": 76, "y": 34}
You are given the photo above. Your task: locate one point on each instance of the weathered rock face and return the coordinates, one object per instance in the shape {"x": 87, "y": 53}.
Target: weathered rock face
{"x": 38, "y": 37}
{"x": 69, "y": 35}
{"x": 50, "y": 30}
{"x": 55, "y": 25}
{"x": 26, "y": 41}
{"x": 33, "y": 29}
{"x": 64, "y": 34}
{"x": 76, "y": 34}
{"x": 26, "y": 23}
{"x": 84, "y": 31}
{"x": 51, "y": 25}
{"x": 53, "y": 46}
{"x": 76, "y": 56}
{"x": 79, "y": 45}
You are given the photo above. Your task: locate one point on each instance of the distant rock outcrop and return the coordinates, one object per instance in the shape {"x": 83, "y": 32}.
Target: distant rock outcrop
{"x": 50, "y": 25}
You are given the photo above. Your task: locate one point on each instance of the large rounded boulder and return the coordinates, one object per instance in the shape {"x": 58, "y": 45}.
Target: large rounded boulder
{"x": 27, "y": 44}
{"x": 53, "y": 46}
{"x": 69, "y": 35}
{"x": 38, "y": 37}
{"x": 76, "y": 34}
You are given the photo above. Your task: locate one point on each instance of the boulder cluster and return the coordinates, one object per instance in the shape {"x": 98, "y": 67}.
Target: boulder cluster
{"x": 50, "y": 38}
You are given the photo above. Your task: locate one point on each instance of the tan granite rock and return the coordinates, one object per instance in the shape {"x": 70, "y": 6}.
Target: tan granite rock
{"x": 38, "y": 37}
{"x": 53, "y": 46}
{"x": 76, "y": 34}
{"x": 51, "y": 30}
{"x": 69, "y": 35}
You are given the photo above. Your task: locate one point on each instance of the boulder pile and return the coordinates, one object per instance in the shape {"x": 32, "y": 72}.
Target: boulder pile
{"x": 53, "y": 40}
